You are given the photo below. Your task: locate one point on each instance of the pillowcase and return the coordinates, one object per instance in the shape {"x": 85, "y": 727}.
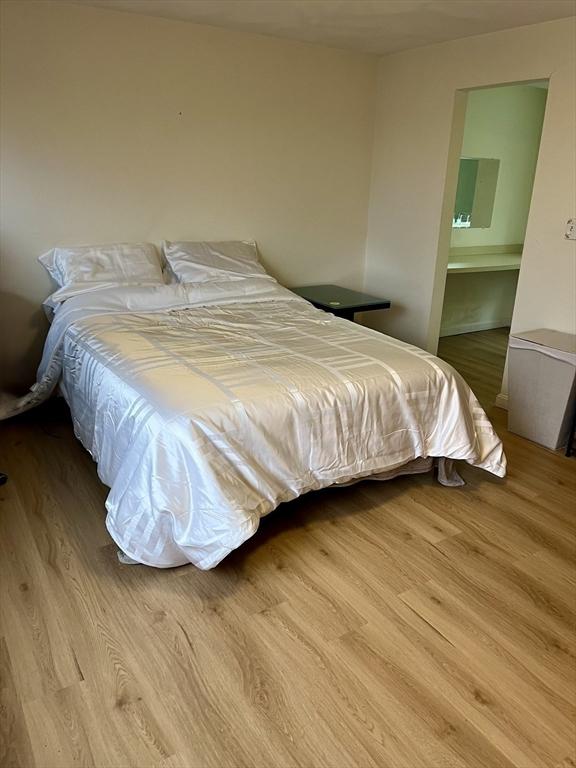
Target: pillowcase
{"x": 203, "y": 261}
{"x": 89, "y": 267}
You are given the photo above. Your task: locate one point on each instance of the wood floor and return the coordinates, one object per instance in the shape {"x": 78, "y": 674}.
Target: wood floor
{"x": 480, "y": 358}
{"x": 399, "y": 625}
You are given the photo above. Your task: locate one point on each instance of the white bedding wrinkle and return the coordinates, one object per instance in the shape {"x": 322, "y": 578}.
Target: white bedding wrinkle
{"x": 207, "y": 405}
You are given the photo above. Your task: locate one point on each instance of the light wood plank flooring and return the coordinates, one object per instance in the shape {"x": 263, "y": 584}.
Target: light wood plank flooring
{"x": 399, "y": 624}
{"x": 480, "y": 358}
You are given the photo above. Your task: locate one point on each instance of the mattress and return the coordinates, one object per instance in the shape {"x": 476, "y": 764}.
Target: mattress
{"x": 207, "y": 406}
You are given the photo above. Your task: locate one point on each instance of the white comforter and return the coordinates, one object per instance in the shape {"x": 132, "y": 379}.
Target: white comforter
{"x": 206, "y": 406}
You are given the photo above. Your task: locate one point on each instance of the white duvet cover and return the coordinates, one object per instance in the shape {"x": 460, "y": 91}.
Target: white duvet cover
{"x": 206, "y": 406}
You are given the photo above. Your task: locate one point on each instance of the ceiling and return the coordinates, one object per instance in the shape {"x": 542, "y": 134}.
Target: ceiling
{"x": 372, "y": 26}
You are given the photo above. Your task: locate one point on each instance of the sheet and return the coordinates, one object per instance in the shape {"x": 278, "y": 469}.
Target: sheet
{"x": 206, "y": 406}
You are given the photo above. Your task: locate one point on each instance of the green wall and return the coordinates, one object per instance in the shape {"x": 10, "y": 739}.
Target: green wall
{"x": 504, "y": 123}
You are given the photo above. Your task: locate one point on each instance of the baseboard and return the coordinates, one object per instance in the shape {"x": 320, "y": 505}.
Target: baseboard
{"x": 502, "y": 401}
{"x": 455, "y": 330}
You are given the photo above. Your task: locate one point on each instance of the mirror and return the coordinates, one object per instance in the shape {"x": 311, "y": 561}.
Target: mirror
{"x": 475, "y": 193}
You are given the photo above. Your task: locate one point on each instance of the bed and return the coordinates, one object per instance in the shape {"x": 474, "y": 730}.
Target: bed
{"x": 208, "y": 404}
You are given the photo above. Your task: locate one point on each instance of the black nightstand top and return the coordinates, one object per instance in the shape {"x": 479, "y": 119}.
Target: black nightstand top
{"x": 335, "y": 299}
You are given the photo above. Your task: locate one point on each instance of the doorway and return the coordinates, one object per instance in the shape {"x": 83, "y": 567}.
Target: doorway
{"x": 497, "y": 164}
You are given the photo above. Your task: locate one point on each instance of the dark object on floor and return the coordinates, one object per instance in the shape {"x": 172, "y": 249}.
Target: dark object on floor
{"x": 571, "y": 435}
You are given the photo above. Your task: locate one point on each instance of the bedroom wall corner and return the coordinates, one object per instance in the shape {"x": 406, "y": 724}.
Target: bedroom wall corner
{"x": 123, "y": 127}
{"x": 415, "y": 96}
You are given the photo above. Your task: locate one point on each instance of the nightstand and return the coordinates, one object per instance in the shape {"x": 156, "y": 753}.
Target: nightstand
{"x": 342, "y": 302}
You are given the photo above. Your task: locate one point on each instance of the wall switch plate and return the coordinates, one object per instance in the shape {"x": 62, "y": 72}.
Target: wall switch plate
{"x": 570, "y": 229}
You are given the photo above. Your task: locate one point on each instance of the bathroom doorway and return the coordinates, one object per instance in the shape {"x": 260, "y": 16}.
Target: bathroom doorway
{"x": 497, "y": 164}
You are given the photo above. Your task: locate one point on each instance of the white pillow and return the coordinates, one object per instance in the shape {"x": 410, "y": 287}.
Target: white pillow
{"x": 201, "y": 262}
{"x": 89, "y": 267}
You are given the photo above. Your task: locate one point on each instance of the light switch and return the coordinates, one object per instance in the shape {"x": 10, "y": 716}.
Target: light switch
{"x": 570, "y": 230}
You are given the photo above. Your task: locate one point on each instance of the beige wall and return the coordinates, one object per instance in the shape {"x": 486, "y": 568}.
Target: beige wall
{"x": 415, "y": 149}
{"x": 476, "y": 301}
{"x": 127, "y": 127}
